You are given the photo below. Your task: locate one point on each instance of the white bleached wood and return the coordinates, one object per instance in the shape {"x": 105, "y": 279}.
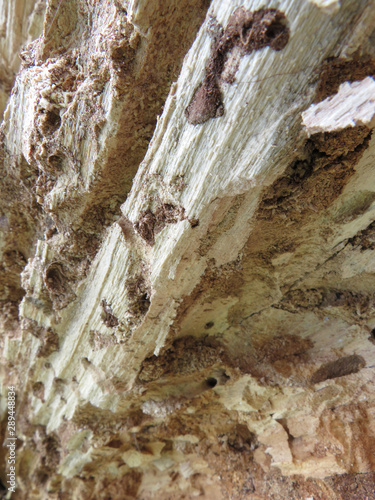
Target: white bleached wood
{"x": 353, "y": 105}
{"x": 238, "y": 153}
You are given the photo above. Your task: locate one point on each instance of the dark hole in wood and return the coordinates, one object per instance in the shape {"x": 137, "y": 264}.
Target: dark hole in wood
{"x": 55, "y": 162}
{"x": 211, "y": 382}
{"x": 115, "y": 443}
{"x": 275, "y": 29}
{"x": 52, "y": 121}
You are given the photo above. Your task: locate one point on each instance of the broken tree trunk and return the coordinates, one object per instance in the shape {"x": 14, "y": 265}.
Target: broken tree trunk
{"x": 188, "y": 234}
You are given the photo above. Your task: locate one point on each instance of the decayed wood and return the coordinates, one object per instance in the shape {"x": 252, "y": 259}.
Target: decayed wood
{"x": 228, "y": 307}
{"x": 353, "y": 105}
{"x": 21, "y": 22}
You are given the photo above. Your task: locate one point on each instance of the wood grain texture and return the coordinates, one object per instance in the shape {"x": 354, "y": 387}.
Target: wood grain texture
{"x": 198, "y": 292}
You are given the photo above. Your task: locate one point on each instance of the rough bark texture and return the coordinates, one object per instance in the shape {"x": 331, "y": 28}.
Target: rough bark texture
{"x": 187, "y": 273}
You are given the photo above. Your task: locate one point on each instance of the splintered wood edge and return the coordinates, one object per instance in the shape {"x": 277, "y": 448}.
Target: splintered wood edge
{"x": 353, "y": 105}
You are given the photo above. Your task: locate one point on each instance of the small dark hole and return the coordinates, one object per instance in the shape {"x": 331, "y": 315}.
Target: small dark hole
{"x": 373, "y": 333}
{"x": 275, "y": 29}
{"x": 278, "y": 33}
{"x": 115, "y": 443}
{"x": 194, "y": 222}
{"x": 55, "y": 162}
{"x": 145, "y": 303}
{"x": 209, "y": 325}
{"x": 85, "y": 361}
{"x": 211, "y": 382}
{"x": 42, "y": 477}
{"x": 53, "y": 278}
{"x": 52, "y": 120}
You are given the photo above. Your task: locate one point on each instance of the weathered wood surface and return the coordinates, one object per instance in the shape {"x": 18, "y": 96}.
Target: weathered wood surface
{"x": 229, "y": 304}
